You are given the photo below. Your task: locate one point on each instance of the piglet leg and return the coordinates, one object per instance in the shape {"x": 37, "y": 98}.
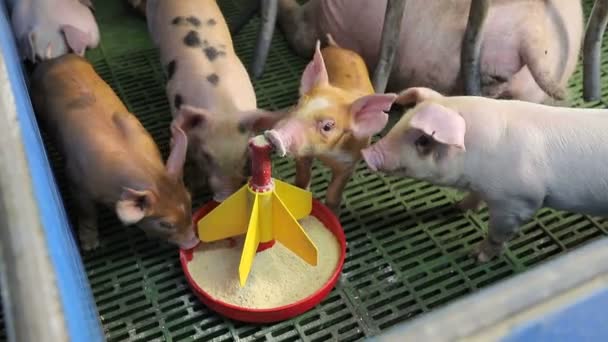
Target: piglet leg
{"x": 393, "y": 18}
{"x": 87, "y": 221}
{"x": 533, "y": 53}
{"x": 268, "y": 15}
{"x": 303, "y": 172}
{"x": 251, "y": 7}
{"x": 471, "y": 48}
{"x": 472, "y": 201}
{"x": 333, "y": 196}
{"x": 592, "y": 50}
{"x": 506, "y": 217}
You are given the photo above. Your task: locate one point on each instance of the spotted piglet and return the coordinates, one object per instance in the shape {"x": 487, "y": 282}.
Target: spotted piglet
{"x": 335, "y": 117}
{"x": 210, "y": 93}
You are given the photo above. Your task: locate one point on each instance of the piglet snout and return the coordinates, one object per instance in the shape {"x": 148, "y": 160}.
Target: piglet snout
{"x": 279, "y": 141}
{"x": 287, "y": 136}
{"x": 189, "y": 243}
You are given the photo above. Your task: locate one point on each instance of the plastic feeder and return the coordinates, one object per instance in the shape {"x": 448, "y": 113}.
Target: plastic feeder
{"x": 266, "y": 210}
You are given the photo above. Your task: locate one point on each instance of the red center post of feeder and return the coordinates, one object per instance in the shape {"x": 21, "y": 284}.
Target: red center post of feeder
{"x": 261, "y": 165}
{"x": 265, "y": 210}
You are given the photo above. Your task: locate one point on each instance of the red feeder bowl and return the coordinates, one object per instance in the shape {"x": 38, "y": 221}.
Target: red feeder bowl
{"x": 323, "y": 214}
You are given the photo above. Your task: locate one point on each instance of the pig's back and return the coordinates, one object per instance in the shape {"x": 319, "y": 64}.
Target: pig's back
{"x": 206, "y": 70}
{"x": 346, "y": 70}
{"x": 83, "y": 112}
{"x": 67, "y": 88}
{"x": 561, "y": 151}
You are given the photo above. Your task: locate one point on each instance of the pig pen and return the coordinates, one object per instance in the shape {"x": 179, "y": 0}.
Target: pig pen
{"x": 407, "y": 246}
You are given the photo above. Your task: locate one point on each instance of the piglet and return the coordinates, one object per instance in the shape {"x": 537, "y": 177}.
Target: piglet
{"x": 515, "y": 156}
{"x": 335, "y": 117}
{"x": 210, "y": 93}
{"x": 110, "y": 157}
{"x": 46, "y": 29}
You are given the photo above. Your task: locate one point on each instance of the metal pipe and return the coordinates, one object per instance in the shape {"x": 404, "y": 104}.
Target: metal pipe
{"x": 592, "y": 50}
{"x": 471, "y": 47}
{"x": 268, "y": 17}
{"x": 393, "y": 17}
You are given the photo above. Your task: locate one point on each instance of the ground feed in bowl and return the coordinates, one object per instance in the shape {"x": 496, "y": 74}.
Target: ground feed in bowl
{"x": 277, "y": 278}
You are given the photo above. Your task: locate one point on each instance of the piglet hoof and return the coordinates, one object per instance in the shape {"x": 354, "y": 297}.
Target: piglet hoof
{"x": 335, "y": 208}
{"x": 470, "y": 202}
{"x": 89, "y": 245}
{"x": 486, "y": 251}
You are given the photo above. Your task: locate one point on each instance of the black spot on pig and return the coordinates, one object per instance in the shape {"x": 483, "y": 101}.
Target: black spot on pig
{"x": 177, "y": 101}
{"x": 177, "y": 20}
{"x": 171, "y": 69}
{"x": 213, "y": 79}
{"x": 192, "y": 39}
{"x": 211, "y": 22}
{"x": 212, "y": 53}
{"x": 194, "y": 21}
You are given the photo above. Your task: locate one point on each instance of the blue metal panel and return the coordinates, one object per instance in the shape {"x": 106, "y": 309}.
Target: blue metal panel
{"x": 77, "y": 302}
{"x": 584, "y": 320}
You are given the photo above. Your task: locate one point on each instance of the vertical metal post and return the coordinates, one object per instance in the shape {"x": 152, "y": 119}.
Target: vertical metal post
{"x": 471, "y": 47}
{"x": 268, "y": 16}
{"x": 592, "y": 50}
{"x": 391, "y": 30}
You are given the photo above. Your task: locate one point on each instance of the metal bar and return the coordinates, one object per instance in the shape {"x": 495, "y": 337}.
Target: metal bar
{"x": 268, "y": 16}
{"x": 30, "y": 299}
{"x": 471, "y": 47}
{"x": 513, "y": 299}
{"x": 45, "y": 292}
{"x": 592, "y": 49}
{"x": 391, "y": 29}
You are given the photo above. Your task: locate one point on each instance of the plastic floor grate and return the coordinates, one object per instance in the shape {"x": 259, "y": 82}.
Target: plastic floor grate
{"x": 407, "y": 245}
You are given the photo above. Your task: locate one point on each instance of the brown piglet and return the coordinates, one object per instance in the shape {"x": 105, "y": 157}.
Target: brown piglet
{"x": 110, "y": 157}
{"x": 334, "y": 119}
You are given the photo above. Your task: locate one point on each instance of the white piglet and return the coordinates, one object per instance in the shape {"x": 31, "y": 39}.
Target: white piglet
{"x": 515, "y": 156}
{"x": 211, "y": 96}
{"x": 46, "y": 29}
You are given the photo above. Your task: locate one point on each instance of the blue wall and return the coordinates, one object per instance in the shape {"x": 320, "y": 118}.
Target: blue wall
{"x": 79, "y": 308}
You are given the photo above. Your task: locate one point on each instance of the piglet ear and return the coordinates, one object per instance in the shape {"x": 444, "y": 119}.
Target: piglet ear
{"x": 416, "y": 95}
{"x": 189, "y": 117}
{"x": 315, "y": 73}
{"x": 76, "y": 39}
{"x": 260, "y": 120}
{"x": 134, "y": 205}
{"x": 177, "y": 157}
{"x": 368, "y": 114}
{"x": 443, "y": 124}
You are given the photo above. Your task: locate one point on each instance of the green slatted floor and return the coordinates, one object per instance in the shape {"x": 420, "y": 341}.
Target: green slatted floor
{"x": 407, "y": 246}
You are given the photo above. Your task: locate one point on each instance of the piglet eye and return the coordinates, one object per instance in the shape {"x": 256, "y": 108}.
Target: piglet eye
{"x": 327, "y": 125}
{"x": 423, "y": 141}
